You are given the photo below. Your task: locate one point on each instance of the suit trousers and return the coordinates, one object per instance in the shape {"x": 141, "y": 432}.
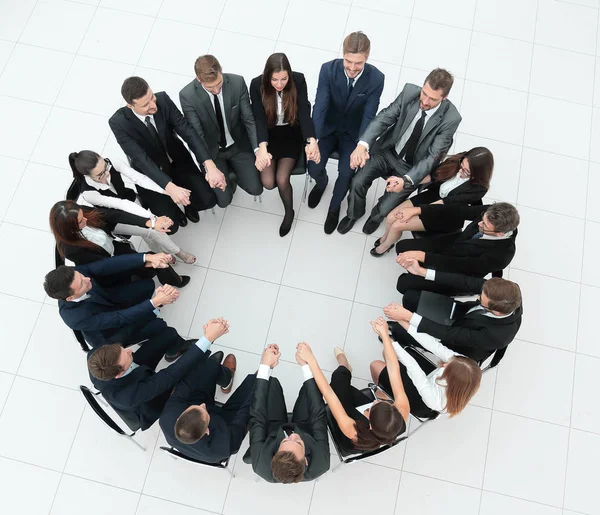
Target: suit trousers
{"x": 408, "y": 283}
{"x": 381, "y": 164}
{"x": 165, "y": 341}
{"x": 156, "y": 241}
{"x": 344, "y": 144}
{"x": 276, "y": 409}
{"x": 185, "y": 173}
{"x": 238, "y": 167}
{"x": 161, "y": 205}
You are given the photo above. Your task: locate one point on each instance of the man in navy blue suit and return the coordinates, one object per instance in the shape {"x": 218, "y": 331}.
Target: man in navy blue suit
{"x": 347, "y": 100}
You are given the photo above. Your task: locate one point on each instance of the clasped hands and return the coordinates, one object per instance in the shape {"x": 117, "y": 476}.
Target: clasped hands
{"x": 271, "y": 354}
{"x": 214, "y": 176}
{"x": 215, "y": 328}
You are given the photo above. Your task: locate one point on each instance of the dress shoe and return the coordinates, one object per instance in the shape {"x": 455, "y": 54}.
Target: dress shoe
{"x": 377, "y": 242}
{"x": 217, "y": 356}
{"x": 172, "y": 356}
{"x": 230, "y": 363}
{"x": 183, "y": 220}
{"x": 192, "y": 214}
{"x": 331, "y": 221}
{"x": 345, "y": 225}
{"x": 286, "y": 225}
{"x": 247, "y": 458}
{"x": 184, "y": 280}
{"x": 315, "y": 197}
{"x": 370, "y": 226}
{"x": 376, "y": 254}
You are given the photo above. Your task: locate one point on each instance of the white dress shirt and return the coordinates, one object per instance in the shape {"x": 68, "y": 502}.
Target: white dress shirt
{"x": 280, "y": 113}
{"x": 451, "y": 184}
{"x": 355, "y": 78}
{"x": 228, "y": 139}
{"x": 264, "y": 372}
{"x": 100, "y": 238}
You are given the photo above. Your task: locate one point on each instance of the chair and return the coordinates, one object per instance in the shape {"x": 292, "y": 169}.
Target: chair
{"x": 175, "y": 454}
{"x": 302, "y": 168}
{"x": 133, "y": 425}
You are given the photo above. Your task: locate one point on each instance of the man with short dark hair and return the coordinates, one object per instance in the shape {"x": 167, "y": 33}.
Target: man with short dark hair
{"x": 147, "y": 130}
{"x": 407, "y": 139}
{"x": 217, "y": 106}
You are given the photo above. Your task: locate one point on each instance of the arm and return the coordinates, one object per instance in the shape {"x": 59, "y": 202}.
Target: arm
{"x": 247, "y": 116}
{"x": 321, "y": 101}
{"x": 113, "y": 265}
{"x": 383, "y": 121}
{"x": 136, "y": 177}
{"x": 316, "y": 414}
{"x": 306, "y": 124}
{"x": 371, "y": 106}
{"x": 190, "y": 114}
{"x": 258, "y": 110}
{"x": 83, "y": 321}
{"x": 456, "y": 282}
{"x": 469, "y": 195}
{"x": 95, "y": 198}
{"x": 460, "y": 211}
{"x": 259, "y": 423}
{"x": 469, "y": 265}
{"x": 400, "y": 398}
{"x": 238, "y": 427}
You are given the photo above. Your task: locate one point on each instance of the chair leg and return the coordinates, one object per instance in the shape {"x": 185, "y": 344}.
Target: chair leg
{"x": 136, "y": 442}
{"x": 333, "y": 469}
{"x": 420, "y": 427}
{"x": 101, "y": 399}
{"x": 260, "y": 198}
{"x": 305, "y": 192}
{"x": 255, "y": 197}
{"x": 212, "y": 210}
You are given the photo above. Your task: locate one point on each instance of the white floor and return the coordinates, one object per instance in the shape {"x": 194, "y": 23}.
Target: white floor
{"x": 527, "y": 88}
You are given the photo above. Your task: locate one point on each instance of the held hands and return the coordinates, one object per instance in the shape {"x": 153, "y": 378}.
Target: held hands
{"x": 359, "y": 157}
{"x": 215, "y": 328}
{"x": 312, "y": 151}
{"x": 411, "y": 265}
{"x": 263, "y": 159}
{"x": 178, "y": 195}
{"x": 164, "y": 295}
{"x": 417, "y": 255}
{"x": 214, "y": 176}
{"x": 380, "y": 326}
{"x": 304, "y": 353}
{"x": 394, "y": 184}
{"x": 397, "y": 312}
{"x": 160, "y": 260}
{"x": 162, "y": 224}
{"x": 270, "y": 355}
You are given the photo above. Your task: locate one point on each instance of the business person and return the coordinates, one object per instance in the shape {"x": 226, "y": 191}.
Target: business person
{"x": 485, "y": 246}
{"x": 128, "y": 380}
{"x": 461, "y": 179}
{"x": 347, "y": 100}
{"x": 217, "y": 106}
{"x": 283, "y": 127}
{"x": 147, "y": 130}
{"x": 282, "y": 452}
{"x": 413, "y": 135}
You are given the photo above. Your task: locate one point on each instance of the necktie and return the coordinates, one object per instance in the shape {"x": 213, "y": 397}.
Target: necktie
{"x": 288, "y": 429}
{"x": 477, "y": 236}
{"x": 349, "y": 87}
{"x": 153, "y": 132}
{"x": 408, "y": 152}
{"x": 222, "y": 139}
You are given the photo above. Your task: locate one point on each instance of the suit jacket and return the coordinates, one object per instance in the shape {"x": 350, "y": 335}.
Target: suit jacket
{"x": 306, "y": 124}
{"x": 135, "y": 139}
{"x": 332, "y": 113}
{"x": 198, "y": 108}
{"x": 139, "y": 397}
{"x": 467, "y": 193}
{"x": 265, "y": 438}
{"x": 475, "y": 335}
{"x": 391, "y": 123}
{"x": 99, "y": 316}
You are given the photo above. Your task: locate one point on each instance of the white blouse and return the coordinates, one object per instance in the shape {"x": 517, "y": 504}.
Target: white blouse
{"x": 280, "y": 113}
{"x": 451, "y": 184}
{"x": 100, "y": 238}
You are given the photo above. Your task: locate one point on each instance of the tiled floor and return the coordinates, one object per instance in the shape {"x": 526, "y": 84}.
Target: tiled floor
{"x": 528, "y": 87}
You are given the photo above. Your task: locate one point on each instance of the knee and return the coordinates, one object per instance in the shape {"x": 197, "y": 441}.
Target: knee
{"x": 283, "y": 182}
{"x": 174, "y": 228}
{"x": 402, "y": 284}
{"x": 268, "y": 183}
{"x": 390, "y": 219}
{"x": 376, "y": 367}
{"x": 410, "y": 299}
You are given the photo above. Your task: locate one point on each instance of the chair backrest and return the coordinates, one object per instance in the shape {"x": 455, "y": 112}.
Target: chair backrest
{"x": 74, "y": 191}
{"x": 496, "y": 358}
{"x": 105, "y": 417}
{"x": 177, "y": 454}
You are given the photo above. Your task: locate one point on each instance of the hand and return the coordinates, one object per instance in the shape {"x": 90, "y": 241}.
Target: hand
{"x": 263, "y": 159}
{"x": 418, "y": 255}
{"x": 215, "y": 328}
{"x": 406, "y": 214}
{"x": 397, "y": 312}
{"x": 359, "y": 157}
{"x": 312, "y": 151}
{"x": 270, "y": 355}
{"x": 304, "y": 353}
{"x": 160, "y": 260}
{"x": 178, "y": 195}
{"x": 162, "y": 224}
{"x": 394, "y": 184}
{"x": 164, "y": 295}
{"x": 214, "y": 176}
{"x": 412, "y": 266}
{"x": 380, "y": 326}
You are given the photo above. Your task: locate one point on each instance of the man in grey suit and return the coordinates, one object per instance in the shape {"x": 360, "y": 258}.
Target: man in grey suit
{"x": 217, "y": 105}
{"x": 407, "y": 139}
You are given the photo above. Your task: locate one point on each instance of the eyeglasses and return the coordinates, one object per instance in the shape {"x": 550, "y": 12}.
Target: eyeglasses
{"x": 102, "y": 174}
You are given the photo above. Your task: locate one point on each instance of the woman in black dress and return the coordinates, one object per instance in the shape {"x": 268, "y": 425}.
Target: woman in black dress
{"x": 283, "y": 127}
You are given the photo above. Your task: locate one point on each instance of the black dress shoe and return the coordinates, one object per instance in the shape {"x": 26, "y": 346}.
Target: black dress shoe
{"x": 345, "y": 225}
{"x": 192, "y": 214}
{"x": 217, "y": 356}
{"x": 315, "y": 197}
{"x": 185, "y": 279}
{"x": 183, "y": 220}
{"x": 376, "y": 254}
{"x": 172, "y": 356}
{"x": 370, "y": 226}
{"x": 377, "y": 242}
{"x": 331, "y": 221}
{"x": 286, "y": 225}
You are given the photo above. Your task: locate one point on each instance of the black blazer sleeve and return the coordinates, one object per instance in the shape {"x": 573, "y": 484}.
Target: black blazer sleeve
{"x": 259, "y": 422}
{"x": 260, "y": 117}
{"x": 306, "y": 123}
{"x": 466, "y": 194}
{"x": 459, "y": 282}
{"x": 318, "y": 428}
{"x": 490, "y": 260}
{"x": 456, "y": 211}
{"x": 84, "y": 255}
{"x": 113, "y": 217}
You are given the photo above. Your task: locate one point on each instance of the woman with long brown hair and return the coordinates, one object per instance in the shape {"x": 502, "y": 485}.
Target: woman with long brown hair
{"x": 283, "y": 127}
{"x": 463, "y": 178}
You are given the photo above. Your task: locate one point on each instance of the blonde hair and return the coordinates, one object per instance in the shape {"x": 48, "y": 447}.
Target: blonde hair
{"x": 462, "y": 376}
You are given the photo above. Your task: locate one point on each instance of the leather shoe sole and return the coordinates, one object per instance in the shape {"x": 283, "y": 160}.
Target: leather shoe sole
{"x": 345, "y": 225}
{"x": 230, "y": 363}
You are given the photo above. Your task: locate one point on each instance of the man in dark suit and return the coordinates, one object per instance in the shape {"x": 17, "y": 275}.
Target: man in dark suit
{"x": 282, "y": 452}
{"x": 485, "y": 246}
{"x": 347, "y": 100}
{"x": 129, "y": 383}
{"x": 406, "y": 139}
{"x": 217, "y": 106}
{"x": 147, "y": 130}
{"x": 125, "y": 314}
{"x": 479, "y": 328}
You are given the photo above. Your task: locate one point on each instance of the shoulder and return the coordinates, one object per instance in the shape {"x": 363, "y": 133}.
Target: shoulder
{"x": 298, "y": 78}
{"x": 451, "y": 113}
{"x": 375, "y": 73}
{"x": 411, "y": 90}
{"x": 255, "y": 82}
{"x": 119, "y": 115}
{"x": 234, "y": 78}
{"x": 188, "y": 89}
{"x": 331, "y": 65}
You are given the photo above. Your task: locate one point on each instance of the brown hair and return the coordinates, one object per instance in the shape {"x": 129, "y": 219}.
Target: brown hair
{"x": 279, "y": 63}
{"x": 504, "y": 296}
{"x": 357, "y": 43}
{"x": 286, "y": 468}
{"x": 207, "y": 68}
{"x": 481, "y": 164}
{"x": 463, "y": 377}
{"x": 57, "y": 283}
{"x": 440, "y": 79}
{"x": 64, "y": 226}
{"x": 384, "y": 426}
{"x": 503, "y": 216}
{"x": 191, "y": 426}
{"x": 134, "y": 88}
{"x": 103, "y": 364}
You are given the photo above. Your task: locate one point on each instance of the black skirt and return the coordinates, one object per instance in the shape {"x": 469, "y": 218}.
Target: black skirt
{"x": 285, "y": 141}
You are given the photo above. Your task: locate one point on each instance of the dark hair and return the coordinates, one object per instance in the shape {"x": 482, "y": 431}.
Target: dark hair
{"x": 103, "y": 364}
{"x": 504, "y": 296}
{"x": 57, "y": 283}
{"x": 357, "y": 43}
{"x": 440, "y": 79}
{"x": 503, "y": 216}
{"x": 65, "y": 228}
{"x": 191, "y": 426}
{"x": 278, "y": 63}
{"x": 286, "y": 468}
{"x": 386, "y": 424}
{"x": 134, "y": 88}
{"x": 207, "y": 68}
{"x": 481, "y": 164}
{"x": 82, "y": 163}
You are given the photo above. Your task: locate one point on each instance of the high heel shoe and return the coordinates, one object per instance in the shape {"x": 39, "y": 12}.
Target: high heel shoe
{"x": 376, "y": 254}
{"x": 337, "y": 351}
{"x": 186, "y": 257}
{"x": 377, "y": 242}
{"x": 286, "y": 225}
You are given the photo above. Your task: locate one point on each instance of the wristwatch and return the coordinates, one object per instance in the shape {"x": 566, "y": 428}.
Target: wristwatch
{"x": 153, "y": 221}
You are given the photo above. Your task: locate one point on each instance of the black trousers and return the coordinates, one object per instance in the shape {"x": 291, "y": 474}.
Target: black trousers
{"x": 238, "y": 167}
{"x": 408, "y": 282}
{"x": 164, "y": 342}
{"x": 186, "y": 174}
{"x": 161, "y": 205}
{"x": 276, "y": 409}
{"x": 349, "y": 396}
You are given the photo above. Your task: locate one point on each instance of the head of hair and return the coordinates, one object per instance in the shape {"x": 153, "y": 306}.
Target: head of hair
{"x": 276, "y": 63}
{"x": 286, "y": 468}
{"x": 82, "y": 163}
{"x": 503, "y": 296}
{"x": 503, "y": 216}
{"x": 481, "y": 164}
{"x": 462, "y": 376}
{"x": 384, "y": 426}
{"x": 103, "y": 364}
{"x": 357, "y": 43}
{"x": 191, "y": 426}
{"x": 440, "y": 79}
{"x": 134, "y": 88}
{"x": 207, "y": 68}
{"x": 57, "y": 283}
{"x": 65, "y": 227}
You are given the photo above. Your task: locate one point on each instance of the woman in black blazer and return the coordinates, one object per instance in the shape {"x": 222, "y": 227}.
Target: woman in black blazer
{"x": 83, "y": 235}
{"x": 283, "y": 127}
{"x": 461, "y": 179}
